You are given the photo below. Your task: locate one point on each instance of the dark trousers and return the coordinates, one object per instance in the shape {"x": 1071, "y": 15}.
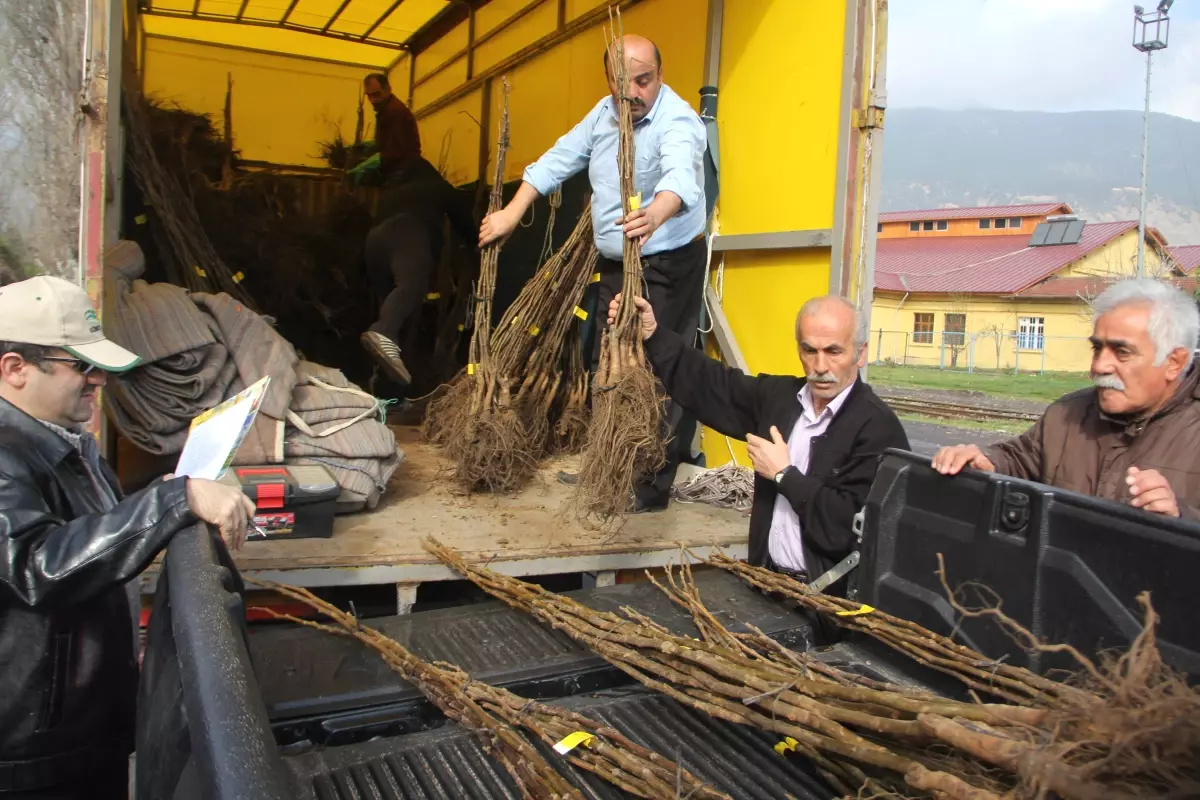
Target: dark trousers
{"x": 674, "y": 285}
{"x": 400, "y": 265}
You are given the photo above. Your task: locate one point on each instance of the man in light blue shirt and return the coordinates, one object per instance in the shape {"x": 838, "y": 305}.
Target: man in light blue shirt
{"x": 669, "y": 143}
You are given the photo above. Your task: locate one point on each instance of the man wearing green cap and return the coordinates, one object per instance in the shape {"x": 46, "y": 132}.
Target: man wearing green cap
{"x": 69, "y": 541}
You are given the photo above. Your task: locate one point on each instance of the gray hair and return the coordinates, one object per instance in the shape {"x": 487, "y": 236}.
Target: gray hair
{"x": 1174, "y": 317}
{"x": 811, "y": 306}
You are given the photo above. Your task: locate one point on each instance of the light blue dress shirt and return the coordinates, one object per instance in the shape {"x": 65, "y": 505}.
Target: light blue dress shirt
{"x": 669, "y": 147}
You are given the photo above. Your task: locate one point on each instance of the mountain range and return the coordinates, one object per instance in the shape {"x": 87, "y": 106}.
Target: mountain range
{"x": 1089, "y": 159}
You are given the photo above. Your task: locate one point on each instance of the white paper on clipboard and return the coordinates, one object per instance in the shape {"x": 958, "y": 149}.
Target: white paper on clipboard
{"x": 215, "y": 435}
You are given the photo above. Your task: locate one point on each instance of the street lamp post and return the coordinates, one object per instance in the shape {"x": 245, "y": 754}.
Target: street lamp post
{"x": 1150, "y": 33}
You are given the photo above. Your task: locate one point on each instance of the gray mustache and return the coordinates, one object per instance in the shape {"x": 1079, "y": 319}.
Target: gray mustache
{"x": 1108, "y": 382}
{"x": 822, "y": 377}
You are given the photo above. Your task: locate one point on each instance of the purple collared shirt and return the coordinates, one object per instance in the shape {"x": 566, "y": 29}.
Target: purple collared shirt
{"x": 784, "y": 543}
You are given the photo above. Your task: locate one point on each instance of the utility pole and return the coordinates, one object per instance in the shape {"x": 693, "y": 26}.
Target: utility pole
{"x": 1150, "y": 33}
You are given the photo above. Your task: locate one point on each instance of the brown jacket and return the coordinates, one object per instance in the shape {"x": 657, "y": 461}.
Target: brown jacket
{"x": 396, "y": 135}
{"x": 1076, "y": 446}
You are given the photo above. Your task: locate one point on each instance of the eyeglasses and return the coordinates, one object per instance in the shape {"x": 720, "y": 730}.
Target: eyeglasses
{"x": 77, "y": 364}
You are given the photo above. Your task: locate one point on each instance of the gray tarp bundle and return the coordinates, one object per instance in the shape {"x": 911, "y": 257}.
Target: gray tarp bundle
{"x": 199, "y": 349}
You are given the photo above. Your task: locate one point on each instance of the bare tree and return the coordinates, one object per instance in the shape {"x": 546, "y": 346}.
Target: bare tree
{"x": 995, "y": 331}
{"x": 41, "y": 68}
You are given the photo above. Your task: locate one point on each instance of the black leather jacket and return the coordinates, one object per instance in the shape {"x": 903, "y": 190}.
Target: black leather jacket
{"x": 68, "y": 676}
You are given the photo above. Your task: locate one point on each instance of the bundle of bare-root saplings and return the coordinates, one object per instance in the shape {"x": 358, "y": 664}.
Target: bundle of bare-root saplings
{"x": 509, "y": 725}
{"x": 1126, "y": 728}
{"x": 625, "y": 438}
{"x": 495, "y": 420}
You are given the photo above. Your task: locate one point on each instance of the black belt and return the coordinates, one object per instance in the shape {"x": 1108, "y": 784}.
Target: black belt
{"x": 795, "y": 574}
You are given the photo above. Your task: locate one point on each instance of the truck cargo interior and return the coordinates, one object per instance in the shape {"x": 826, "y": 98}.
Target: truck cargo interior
{"x": 229, "y": 192}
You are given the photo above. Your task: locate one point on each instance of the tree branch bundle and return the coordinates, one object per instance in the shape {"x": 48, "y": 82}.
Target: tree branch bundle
{"x": 202, "y": 268}
{"x": 498, "y": 717}
{"x": 625, "y": 437}
{"x": 889, "y": 740}
{"x": 475, "y": 421}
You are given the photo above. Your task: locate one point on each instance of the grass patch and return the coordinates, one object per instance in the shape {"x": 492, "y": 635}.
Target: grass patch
{"x": 986, "y": 426}
{"x": 1025, "y": 386}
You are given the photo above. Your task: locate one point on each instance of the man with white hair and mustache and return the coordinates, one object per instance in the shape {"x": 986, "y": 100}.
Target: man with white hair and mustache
{"x": 815, "y": 442}
{"x": 1135, "y": 437}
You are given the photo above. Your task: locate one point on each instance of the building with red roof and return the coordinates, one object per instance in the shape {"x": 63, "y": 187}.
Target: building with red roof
{"x": 1186, "y": 257}
{"x": 1000, "y": 287}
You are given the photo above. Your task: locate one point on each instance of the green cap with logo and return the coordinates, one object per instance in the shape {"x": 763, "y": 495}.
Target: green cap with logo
{"x": 52, "y": 312}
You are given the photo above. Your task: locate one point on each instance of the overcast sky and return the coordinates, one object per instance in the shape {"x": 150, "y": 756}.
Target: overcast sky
{"x": 1043, "y": 55}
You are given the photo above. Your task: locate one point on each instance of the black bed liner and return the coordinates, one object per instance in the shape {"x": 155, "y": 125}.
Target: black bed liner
{"x": 330, "y": 690}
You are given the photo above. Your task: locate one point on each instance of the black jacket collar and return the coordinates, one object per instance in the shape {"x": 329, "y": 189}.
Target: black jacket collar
{"x": 45, "y": 442}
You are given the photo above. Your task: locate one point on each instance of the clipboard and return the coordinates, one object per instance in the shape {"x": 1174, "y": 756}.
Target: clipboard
{"x": 215, "y": 435}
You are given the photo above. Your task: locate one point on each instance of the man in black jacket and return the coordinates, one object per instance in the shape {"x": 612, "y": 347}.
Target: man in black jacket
{"x": 402, "y": 252}
{"x": 68, "y": 542}
{"x": 811, "y": 482}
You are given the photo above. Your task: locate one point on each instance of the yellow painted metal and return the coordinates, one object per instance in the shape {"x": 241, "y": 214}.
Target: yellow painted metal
{"x": 780, "y": 114}
{"x": 282, "y": 106}
{"x": 780, "y": 117}
{"x": 357, "y": 18}
{"x": 525, "y": 31}
{"x": 441, "y": 51}
{"x": 554, "y": 90}
{"x": 450, "y": 139}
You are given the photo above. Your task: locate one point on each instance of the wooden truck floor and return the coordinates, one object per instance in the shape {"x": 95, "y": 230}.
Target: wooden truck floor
{"x": 523, "y": 534}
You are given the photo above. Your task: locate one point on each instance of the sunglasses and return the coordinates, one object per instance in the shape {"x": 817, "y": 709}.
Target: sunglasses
{"x": 77, "y": 364}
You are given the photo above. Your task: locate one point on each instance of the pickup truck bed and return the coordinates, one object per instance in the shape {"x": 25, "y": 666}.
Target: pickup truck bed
{"x": 291, "y": 713}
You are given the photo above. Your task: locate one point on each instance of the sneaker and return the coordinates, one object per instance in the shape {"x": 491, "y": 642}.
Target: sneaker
{"x": 387, "y": 354}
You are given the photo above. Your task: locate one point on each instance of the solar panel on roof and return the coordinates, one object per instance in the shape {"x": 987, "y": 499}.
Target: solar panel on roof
{"x": 1074, "y": 231}
{"x": 1056, "y": 233}
{"x": 1039, "y": 234}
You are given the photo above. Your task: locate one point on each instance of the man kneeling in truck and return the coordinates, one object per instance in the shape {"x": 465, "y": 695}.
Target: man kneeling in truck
{"x": 811, "y": 483}
{"x": 1135, "y": 437}
{"x": 68, "y": 541}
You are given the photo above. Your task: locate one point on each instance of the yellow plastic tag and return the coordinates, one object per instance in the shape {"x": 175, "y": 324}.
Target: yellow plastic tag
{"x": 863, "y": 609}
{"x": 461, "y": 327}
{"x": 200, "y": 272}
{"x": 595, "y": 277}
{"x": 534, "y": 330}
{"x": 140, "y": 219}
{"x": 470, "y": 369}
{"x": 579, "y": 312}
{"x": 573, "y": 740}
{"x": 433, "y": 296}
{"x": 635, "y": 202}
{"x": 239, "y": 276}
{"x": 787, "y": 744}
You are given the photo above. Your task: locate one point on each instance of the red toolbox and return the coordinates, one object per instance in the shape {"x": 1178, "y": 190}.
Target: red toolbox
{"x": 291, "y": 502}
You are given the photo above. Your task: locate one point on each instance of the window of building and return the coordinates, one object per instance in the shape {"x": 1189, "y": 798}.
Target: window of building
{"x": 914, "y": 226}
{"x": 927, "y": 225}
{"x": 1000, "y": 221}
{"x": 923, "y": 328}
{"x": 985, "y": 224}
{"x": 1014, "y": 222}
{"x": 955, "y": 332}
{"x": 1031, "y": 333}
{"x": 879, "y": 228}
{"x": 943, "y": 224}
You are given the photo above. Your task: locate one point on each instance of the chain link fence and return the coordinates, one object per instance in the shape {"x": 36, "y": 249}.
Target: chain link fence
{"x": 985, "y": 351}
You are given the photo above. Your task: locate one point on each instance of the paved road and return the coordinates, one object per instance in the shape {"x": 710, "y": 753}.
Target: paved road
{"x": 925, "y": 438}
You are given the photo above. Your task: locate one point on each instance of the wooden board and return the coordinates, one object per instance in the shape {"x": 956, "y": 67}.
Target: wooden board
{"x": 530, "y": 526}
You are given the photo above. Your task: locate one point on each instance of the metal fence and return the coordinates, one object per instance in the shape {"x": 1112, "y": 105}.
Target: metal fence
{"x": 968, "y": 352}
